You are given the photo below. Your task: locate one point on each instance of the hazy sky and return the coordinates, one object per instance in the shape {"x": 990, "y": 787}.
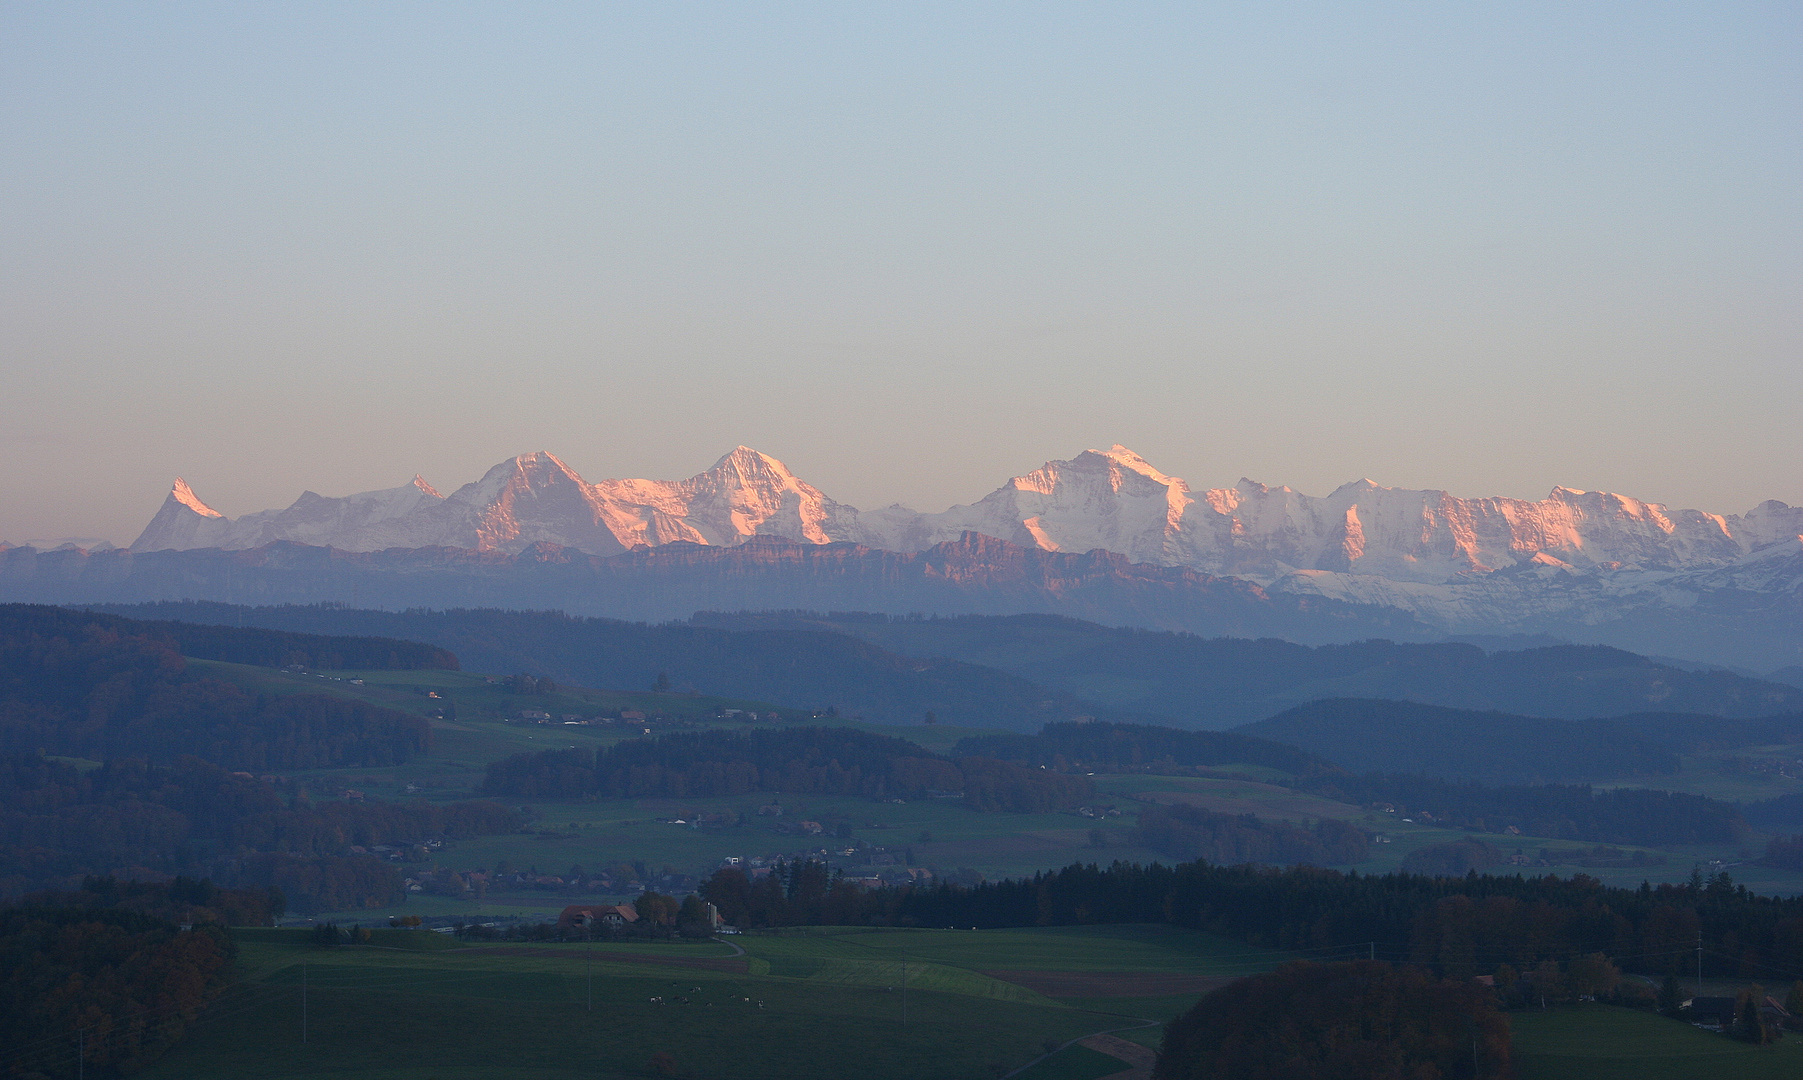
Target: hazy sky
{"x": 910, "y": 249}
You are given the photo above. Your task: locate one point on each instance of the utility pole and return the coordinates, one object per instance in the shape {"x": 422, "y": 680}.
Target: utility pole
{"x": 904, "y": 988}
{"x": 588, "y": 964}
{"x": 1374, "y": 950}
{"x": 1699, "y": 963}
{"x": 303, "y": 1002}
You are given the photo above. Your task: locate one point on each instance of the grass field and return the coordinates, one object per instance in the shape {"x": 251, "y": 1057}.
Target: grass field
{"x": 1600, "y": 1042}
{"x": 824, "y": 1002}
{"x": 807, "y": 1002}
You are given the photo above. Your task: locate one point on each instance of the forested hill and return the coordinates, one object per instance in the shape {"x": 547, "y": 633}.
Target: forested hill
{"x": 101, "y": 687}
{"x": 239, "y": 644}
{"x": 1365, "y": 735}
{"x": 801, "y": 668}
{"x": 1219, "y": 682}
{"x": 818, "y": 760}
{"x": 1464, "y": 744}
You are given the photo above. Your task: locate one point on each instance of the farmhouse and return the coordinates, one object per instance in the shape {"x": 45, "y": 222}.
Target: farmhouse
{"x": 610, "y": 916}
{"x": 1711, "y": 1011}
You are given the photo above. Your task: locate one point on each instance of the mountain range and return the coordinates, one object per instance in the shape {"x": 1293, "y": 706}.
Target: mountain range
{"x": 1112, "y": 500}
{"x": 1103, "y": 535}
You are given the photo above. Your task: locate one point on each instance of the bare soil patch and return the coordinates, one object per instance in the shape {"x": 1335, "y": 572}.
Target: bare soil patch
{"x": 1083, "y": 984}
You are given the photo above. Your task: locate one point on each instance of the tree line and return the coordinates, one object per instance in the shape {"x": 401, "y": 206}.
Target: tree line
{"x": 100, "y": 687}
{"x": 1458, "y": 926}
{"x": 812, "y": 760}
{"x": 59, "y": 822}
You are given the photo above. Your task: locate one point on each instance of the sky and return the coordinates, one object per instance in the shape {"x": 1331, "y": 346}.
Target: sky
{"x": 910, "y": 249}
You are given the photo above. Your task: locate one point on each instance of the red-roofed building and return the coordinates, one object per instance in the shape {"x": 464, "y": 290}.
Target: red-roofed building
{"x": 611, "y": 916}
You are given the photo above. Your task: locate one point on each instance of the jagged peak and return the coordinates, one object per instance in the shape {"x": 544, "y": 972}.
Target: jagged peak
{"x": 745, "y": 459}
{"x": 539, "y": 458}
{"x": 1127, "y": 459}
{"x": 184, "y": 494}
{"x": 534, "y": 465}
{"x": 420, "y": 483}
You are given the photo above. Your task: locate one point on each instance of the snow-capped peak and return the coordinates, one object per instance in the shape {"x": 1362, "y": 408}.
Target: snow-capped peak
{"x": 1129, "y": 460}
{"x": 748, "y": 461}
{"x": 184, "y": 494}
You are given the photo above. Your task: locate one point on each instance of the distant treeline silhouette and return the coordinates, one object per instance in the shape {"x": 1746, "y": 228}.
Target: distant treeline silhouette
{"x": 813, "y": 760}
{"x": 249, "y": 644}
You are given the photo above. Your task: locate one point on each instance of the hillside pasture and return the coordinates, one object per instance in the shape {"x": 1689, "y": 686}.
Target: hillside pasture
{"x": 825, "y": 1002}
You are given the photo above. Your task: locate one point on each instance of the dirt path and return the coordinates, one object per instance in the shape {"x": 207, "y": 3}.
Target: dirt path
{"x": 737, "y": 949}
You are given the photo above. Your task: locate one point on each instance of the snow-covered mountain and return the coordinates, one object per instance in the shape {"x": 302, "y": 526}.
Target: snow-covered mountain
{"x": 369, "y": 521}
{"x": 1420, "y": 550}
{"x": 1114, "y": 499}
{"x": 530, "y": 499}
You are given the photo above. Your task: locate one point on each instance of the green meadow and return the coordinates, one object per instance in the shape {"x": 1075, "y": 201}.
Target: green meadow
{"x": 822, "y": 1002}
{"x": 1601, "y": 1042}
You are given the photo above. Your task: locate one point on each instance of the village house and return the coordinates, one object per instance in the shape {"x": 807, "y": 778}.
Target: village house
{"x": 586, "y": 917}
{"x": 1716, "y": 1012}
